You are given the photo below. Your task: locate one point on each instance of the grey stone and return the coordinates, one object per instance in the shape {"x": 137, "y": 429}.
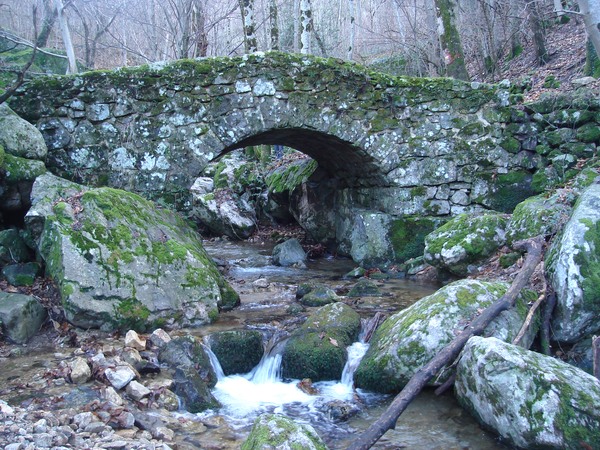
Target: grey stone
{"x": 159, "y": 338}
{"x": 464, "y": 241}
{"x": 277, "y": 431}
{"x": 12, "y": 247}
{"x": 79, "y": 242}
{"x": 21, "y": 274}
{"x": 137, "y": 391}
{"x": 19, "y": 137}
{"x": 289, "y": 253}
{"x": 530, "y": 400}
{"x": 80, "y": 370}
{"x": 120, "y": 376}
{"x": 406, "y": 341}
{"x": 21, "y": 316}
{"x": 571, "y": 263}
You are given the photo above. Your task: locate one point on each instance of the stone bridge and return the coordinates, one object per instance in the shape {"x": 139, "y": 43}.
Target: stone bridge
{"x": 391, "y": 148}
{"x": 438, "y": 143}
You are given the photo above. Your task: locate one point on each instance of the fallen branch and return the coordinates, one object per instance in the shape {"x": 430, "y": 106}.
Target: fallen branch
{"x": 419, "y": 380}
{"x": 532, "y": 310}
{"x": 546, "y": 317}
{"x": 596, "y": 355}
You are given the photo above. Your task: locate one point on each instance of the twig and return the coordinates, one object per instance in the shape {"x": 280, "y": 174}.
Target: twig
{"x": 532, "y": 310}
{"x": 419, "y": 380}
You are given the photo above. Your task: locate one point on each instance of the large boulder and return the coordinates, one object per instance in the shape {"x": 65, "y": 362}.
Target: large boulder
{"x": 277, "y": 432}
{"x": 539, "y": 215}
{"x": 225, "y": 213}
{"x": 238, "y": 351}
{"x": 19, "y": 137}
{"x": 289, "y": 253}
{"x": 465, "y": 240}
{"x": 194, "y": 374}
{"x": 21, "y": 316}
{"x": 407, "y": 340}
{"x": 573, "y": 266}
{"x": 530, "y": 400}
{"x": 121, "y": 262}
{"x": 317, "y": 350}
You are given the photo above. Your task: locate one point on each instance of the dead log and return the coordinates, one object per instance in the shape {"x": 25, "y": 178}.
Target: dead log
{"x": 546, "y": 317}
{"x": 596, "y": 355}
{"x": 419, "y": 380}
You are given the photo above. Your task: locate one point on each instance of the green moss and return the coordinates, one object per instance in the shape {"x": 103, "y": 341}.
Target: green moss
{"x": 21, "y": 169}
{"x": 588, "y": 260}
{"x": 131, "y": 314}
{"x": 407, "y": 236}
{"x": 287, "y": 178}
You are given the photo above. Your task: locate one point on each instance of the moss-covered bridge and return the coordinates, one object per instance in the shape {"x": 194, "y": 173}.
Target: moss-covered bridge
{"x": 398, "y": 145}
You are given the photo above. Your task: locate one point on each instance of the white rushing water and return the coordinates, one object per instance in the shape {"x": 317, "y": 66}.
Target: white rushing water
{"x": 263, "y": 388}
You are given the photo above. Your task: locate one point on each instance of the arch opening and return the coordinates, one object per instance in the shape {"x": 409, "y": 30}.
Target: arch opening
{"x": 347, "y": 163}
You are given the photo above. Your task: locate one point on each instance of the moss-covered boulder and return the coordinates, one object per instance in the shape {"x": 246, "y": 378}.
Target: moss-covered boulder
{"x": 464, "y": 241}
{"x": 19, "y": 137}
{"x": 530, "y": 400}
{"x": 319, "y": 295}
{"x": 539, "y": 215}
{"x": 317, "y": 350}
{"x": 21, "y": 316}
{"x": 121, "y": 262}
{"x": 408, "y": 340}
{"x": 238, "y": 351}
{"x": 194, "y": 375}
{"x": 225, "y": 213}
{"x": 12, "y": 247}
{"x": 573, "y": 266}
{"x": 365, "y": 288}
{"x": 274, "y": 431}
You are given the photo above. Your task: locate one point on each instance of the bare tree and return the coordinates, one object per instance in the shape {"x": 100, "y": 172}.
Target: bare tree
{"x": 274, "y": 24}
{"x": 306, "y": 26}
{"x": 537, "y": 27}
{"x": 247, "y": 10}
{"x": 66, "y": 35}
{"x": 590, "y": 9}
{"x": 352, "y": 20}
{"x": 452, "y": 49}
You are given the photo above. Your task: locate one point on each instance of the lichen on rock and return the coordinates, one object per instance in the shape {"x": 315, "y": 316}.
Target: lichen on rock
{"x": 120, "y": 261}
{"x": 407, "y": 340}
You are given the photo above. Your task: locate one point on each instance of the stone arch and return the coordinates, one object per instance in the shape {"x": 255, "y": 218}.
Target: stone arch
{"x": 344, "y": 161}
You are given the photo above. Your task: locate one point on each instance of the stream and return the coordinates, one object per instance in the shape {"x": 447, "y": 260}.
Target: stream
{"x": 266, "y": 293}
{"x": 430, "y": 422}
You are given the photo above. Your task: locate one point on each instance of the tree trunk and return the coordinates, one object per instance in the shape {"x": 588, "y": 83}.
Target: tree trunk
{"x": 306, "y": 27}
{"x": 247, "y": 10}
{"x": 559, "y": 8}
{"x": 454, "y": 57}
{"x": 274, "y": 23}
{"x": 47, "y": 24}
{"x": 352, "y": 20}
{"x": 539, "y": 38}
{"x": 516, "y": 48}
{"x": 449, "y": 353}
{"x": 66, "y": 35}
{"x": 590, "y": 9}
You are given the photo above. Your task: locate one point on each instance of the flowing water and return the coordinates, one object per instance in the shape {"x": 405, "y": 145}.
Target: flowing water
{"x": 430, "y": 422}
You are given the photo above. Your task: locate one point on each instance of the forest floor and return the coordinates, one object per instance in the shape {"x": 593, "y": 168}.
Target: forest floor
{"x": 566, "y": 47}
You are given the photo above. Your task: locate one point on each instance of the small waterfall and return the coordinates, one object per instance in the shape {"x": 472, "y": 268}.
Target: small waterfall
{"x": 268, "y": 369}
{"x": 355, "y": 353}
{"x": 214, "y": 361}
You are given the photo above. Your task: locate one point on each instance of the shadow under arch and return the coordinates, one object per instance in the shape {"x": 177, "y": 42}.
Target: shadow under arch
{"x": 349, "y": 164}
